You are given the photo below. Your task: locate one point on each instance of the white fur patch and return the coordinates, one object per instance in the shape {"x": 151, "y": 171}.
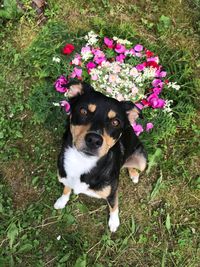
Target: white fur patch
{"x": 75, "y": 164}
{"x": 135, "y": 179}
{"x": 62, "y": 201}
{"x": 114, "y": 220}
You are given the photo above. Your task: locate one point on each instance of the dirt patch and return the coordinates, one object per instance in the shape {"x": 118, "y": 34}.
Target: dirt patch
{"x": 16, "y": 175}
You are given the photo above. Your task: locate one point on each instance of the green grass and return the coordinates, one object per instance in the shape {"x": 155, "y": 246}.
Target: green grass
{"x": 159, "y": 216}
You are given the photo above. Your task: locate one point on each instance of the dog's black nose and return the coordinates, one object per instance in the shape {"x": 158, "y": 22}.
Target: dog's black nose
{"x": 93, "y": 140}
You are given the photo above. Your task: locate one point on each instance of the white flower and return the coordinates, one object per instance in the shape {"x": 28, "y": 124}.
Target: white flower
{"x": 174, "y": 85}
{"x": 167, "y": 108}
{"x": 58, "y": 237}
{"x": 56, "y": 59}
{"x": 121, "y": 41}
{"x": 91, "y": 38}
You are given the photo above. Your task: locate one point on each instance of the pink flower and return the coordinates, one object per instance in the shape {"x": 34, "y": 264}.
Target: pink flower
{"x": 141, "y": 67}
{"x": 94, "y": 77}
{"x": 120, "y": 48}
{"x": 76, "y": 73}
{"x": 90, "y": 65}
{"x": 66, "y": 105}
{"x": 109, "y": 90}
{"x": 155, "y": 101}
{"x": 138, "y": 54}
{"x": 120, "y": 97}
{"x": 60, "y": 84}
{"x": 134, "y": 90}
{"x": 138, "y": 48}
{"x": 99, "y": 60}
{"x": 157, "y": 82}
{"x": 120, "y": 58}
{"x": 138, "y": 129}
{"x": 139, "y": 105}
{"x": 160, "y": 74}
{"x": 149, "y": 126}
{"x": 77, "y": 60}
{"x": 108, "y": 42}
{"x": 112, "y": 78}
{"x": 157, "y": 90}
{"x": 155, "y": 59}
{"x": 85, "y": 49}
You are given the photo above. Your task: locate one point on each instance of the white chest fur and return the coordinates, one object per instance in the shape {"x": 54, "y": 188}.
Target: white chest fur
{"x": 75, "y": 164}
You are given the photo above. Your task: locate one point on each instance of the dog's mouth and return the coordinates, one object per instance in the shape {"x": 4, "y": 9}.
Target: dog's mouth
{"x": 89, "y": 153}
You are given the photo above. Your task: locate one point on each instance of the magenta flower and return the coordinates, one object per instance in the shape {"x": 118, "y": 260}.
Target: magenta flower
{"x": 60, "y": 84}
{"x": 120, "y": 58}
{"x": 157, "y": 90}
{"x": 156, "y": 59}
{"x": 66, "y": 105}
{"x": 120, "y": 48}
{"x": 160, "y": 74}
{"x": 155, "y": 101}
{"x": 140, "y": 106}
{"x": 90, "y": 65}
{"x": 149, "y": 126}
{"x": 108, "y": 42}
{"x": 99, "y": 60}
{"x": 141, "y": 67}
{"x": 138, "y": 129}
{"x": 138, "y": 48}
{"x": 76, "y": 73}
{"x": 157, "y": 82}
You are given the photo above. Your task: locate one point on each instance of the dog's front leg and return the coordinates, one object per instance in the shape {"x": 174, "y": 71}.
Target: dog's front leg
{"x": 62, "y": 201}
{"x": 114, "y": 212}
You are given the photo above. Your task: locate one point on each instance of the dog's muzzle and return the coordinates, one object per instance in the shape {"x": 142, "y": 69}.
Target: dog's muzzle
{"x": 93, "y": 141}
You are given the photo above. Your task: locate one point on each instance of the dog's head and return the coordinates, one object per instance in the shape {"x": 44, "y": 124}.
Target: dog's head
{"x": 97, "y": 121}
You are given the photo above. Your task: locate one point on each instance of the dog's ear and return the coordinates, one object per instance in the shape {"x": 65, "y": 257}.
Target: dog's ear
{"x": 76, "y": 88}
{"x": 132, "y": 111}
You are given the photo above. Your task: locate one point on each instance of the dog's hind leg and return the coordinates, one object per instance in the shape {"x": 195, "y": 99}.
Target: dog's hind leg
{"x": 114, "y": 212}
{"x": 62, "y": 201}
{"x": 136, "y": 162}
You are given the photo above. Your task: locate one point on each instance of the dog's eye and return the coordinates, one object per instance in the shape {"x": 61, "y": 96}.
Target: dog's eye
{"x": 115, "y": 122}
{"x": 83, "y": 111}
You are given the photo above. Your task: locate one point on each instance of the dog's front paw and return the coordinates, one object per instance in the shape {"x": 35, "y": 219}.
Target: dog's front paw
{"x": 113, "y": 222}
{"x": 135, "y": 178}
{"x": 61, "y": 202}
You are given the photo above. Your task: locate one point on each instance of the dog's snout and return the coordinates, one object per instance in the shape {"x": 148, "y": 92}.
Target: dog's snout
{"x": 93, "y": 140}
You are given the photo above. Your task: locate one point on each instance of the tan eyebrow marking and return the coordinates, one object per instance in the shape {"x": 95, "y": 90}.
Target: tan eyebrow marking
{"x": 92, "y": 107}
{"x": 111, "y": 114}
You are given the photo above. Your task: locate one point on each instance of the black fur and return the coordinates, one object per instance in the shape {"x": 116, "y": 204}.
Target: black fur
{"x": 108, "y": 166}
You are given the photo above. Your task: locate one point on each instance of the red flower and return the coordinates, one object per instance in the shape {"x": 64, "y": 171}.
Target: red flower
{"x": 68, "y": 49}
{"x": 145, "y": 102}
{"x": 149, "y": 53}
{"x": 166, "y": 81}
{"x": 152, "y": 64}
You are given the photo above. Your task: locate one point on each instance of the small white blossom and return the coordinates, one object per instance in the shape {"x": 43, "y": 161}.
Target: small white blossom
{"x": 174, "y": 85}
{"x": 121, "y": 41}
{"x": 167, "y": 108}
{"x": 58, "y": 237}
{"x": 91, "y": 38}
{"x": 56, "y": 59}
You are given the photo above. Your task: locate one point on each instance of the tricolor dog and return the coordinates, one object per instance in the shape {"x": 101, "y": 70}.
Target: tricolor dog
{"x": 98, "y": 142}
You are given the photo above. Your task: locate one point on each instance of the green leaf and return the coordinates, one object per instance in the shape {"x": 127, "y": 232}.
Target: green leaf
{"x": 81, "y": 261}
{"x": 12, "y": 233}
{"x": 25, "y": 248}
{"x": 65, "y": 258}
{"x": 153, "y": 159}
{"x": 156, "y": 187}
{"x": 167, "y": 222}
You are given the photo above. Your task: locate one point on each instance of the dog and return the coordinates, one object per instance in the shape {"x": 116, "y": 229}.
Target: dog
{"x": 99, "y": 140}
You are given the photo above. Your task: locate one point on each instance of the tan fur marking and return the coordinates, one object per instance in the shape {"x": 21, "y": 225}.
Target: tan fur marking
{"x": 136, "y": 161}
{"x": 111, "y": 114}
{"x": 115, "y": 205}
{"x": 78, "y": 133}
{"x": 66, "y": 190}
{"x": 133, "y": 114}
{"x": 92, "y": 107}
{"x": 132, "y": 172}
{"x": 105, "y": 192}
{"x": 108, "y": 142}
